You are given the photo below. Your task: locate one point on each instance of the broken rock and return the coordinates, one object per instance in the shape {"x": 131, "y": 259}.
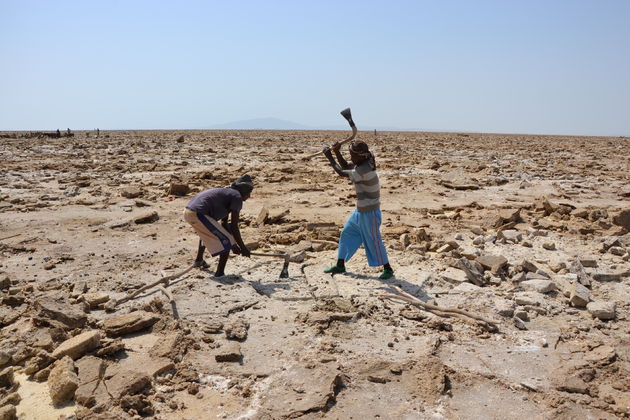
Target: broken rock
{"x": 237, "y": 329}
{"x": 473, "y": 270}
{"x": 149, "y": 217}
{"x": 68, "y": 315}
{"x": 130, "y": 192}
{"x": 453, "y": 275}
{"x": 128, "y": 323}
{"x": 622, "y": 219}
{"x": 6, "y": 377}
{"x": 540, "y": 286}
{"x": 62, "y": 381}
{"x": 602, "y": 310}
{"x": 178, "y": 189}
{"x": 126, "y": 382}
{"x": 229, "y": 351}
{"x": 580, "y": 295}
{"x": 8, "y": 412}
{"x": 577, "y": 268}
{"x": 494, "y": 263}
{"x": 77, "y": 346}
{"x": 95, "y": 299}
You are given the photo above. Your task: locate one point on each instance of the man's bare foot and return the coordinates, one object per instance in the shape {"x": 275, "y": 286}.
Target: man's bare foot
{"x": 200, "y": 263}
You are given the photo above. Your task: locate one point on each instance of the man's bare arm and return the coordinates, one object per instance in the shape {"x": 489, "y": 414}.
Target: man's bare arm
{"x": 234, "y": 219}
{"x": 342, "y": 161}
{"x": 334, "y": 164}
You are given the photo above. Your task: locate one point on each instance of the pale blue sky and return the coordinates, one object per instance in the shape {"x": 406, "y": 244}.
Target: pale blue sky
{"x": 553, "y": 67}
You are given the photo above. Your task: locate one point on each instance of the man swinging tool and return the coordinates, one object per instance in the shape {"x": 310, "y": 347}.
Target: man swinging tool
{"x": 363, "y": 226}
{"x": 208, "y": 213}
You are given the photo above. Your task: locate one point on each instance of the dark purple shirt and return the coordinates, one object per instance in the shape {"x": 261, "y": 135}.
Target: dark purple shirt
{"x": 216, "y": 202}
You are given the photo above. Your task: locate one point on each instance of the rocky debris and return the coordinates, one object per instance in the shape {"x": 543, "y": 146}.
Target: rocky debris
{"x": 137, "y": 405}
{"x": 228, "y": 351}
{"x": 519, "y": 323}
{"x": 454, "y": 275}
{"x": 323, "y": 319}
{"x": 180, "y": 190}
{"x": 95, "y": 299}
{"x": 604, "y": 277}
{"x": 5, "y": 282}
{"x": 441, "y": 253}
{"x": 125, "y": 382}
{"x": 622, "y": 219}
{"x": 583, "y": 277}
{"x": 530, "y": 299}
{"x": 571, "y": 384}
{"x": 63, "y": 315}
{"x": 502, "y": 218}
{"x": 299, "y": 391}
{"x": 273, "y": 216}
{"x": 473, "y": 270}
{"x": 602, "y": 310}
{"x": 6, "y": 377}
{"x": 8, "y": 412}
{"x": 148, "y": 217}
{"x": 110, "y": 347}
{"x": 130, "y": 192}
{"x": 539, "y": 285}
{"x": 63, "y": 381}
{"x": 128, "y": 323}
{"x": 90, "y": 369}
{"x": 173, "y": 346}
{"x": 142, "y": 218}
{"x": 580, "y": 295}
{"x": 543, "y": 204}
{"x": 510, "y": 236}
{"x": 505, "y": 308}
{"x": 213, "y": 327}
{"x": 494, "y": 263}
{"x": 38, "y": 362}
{"x": 78, "y": 345}
{"x": 4, "y": 357}
{"x": 236, "y": 329}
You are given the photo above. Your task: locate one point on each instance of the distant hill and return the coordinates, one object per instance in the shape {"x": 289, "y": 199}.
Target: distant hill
{"x": 278, "y": 124}
{"x": 260, "y": 124}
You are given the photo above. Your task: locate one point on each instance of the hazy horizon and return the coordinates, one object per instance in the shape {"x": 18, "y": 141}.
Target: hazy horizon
{"x": 554, "y": 68}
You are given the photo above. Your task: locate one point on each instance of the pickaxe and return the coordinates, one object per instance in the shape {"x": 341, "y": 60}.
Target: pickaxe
{"x": 348, "y": 116}
{"x": 287, "y": 258}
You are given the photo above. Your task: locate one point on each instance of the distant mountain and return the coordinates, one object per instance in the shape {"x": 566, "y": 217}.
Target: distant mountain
{"x": 278, "y": 124}
{"x": 260, "y": 124}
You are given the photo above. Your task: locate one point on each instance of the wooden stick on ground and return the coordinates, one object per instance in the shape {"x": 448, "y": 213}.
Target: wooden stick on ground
{"x": 164, "y": 280}
{"x": 10, "y": 236}
{"x": 412, "y": 300}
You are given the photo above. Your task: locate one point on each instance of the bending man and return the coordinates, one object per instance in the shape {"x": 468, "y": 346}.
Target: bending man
{"x": 208, "y": 213}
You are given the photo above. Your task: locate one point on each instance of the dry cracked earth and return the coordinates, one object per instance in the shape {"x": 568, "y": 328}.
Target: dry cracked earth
{"x": 529, "y": 233}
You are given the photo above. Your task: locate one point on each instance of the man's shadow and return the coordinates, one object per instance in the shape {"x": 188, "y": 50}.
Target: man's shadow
{"x": 413, "y": 289}
{"x": 263, "y": 288}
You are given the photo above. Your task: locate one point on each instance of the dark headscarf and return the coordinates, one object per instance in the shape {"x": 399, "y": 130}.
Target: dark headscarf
{"x": 243, "y": 183}
{"x": 361, "y": 149}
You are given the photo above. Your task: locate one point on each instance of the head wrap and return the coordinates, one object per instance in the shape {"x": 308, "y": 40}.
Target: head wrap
{"x": 361, "y": 149}
{"x": 243, "y": 183}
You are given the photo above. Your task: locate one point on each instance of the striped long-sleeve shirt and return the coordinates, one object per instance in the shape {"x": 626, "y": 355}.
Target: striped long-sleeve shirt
{"x": 367, "y": 186}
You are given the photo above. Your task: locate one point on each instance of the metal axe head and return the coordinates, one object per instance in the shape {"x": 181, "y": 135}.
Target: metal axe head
{"x": 348, "y": 116}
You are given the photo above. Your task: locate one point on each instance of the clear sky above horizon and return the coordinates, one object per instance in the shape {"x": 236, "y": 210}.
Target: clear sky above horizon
{"x": 538, "y": 67}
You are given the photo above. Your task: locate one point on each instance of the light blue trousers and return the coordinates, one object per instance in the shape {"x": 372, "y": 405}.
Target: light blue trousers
{"x": 363, "y": 229}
